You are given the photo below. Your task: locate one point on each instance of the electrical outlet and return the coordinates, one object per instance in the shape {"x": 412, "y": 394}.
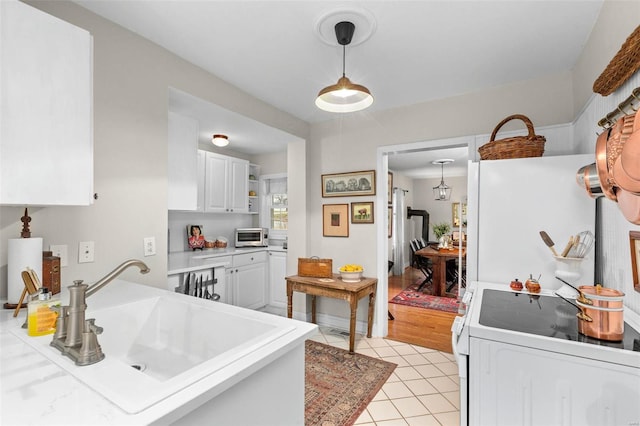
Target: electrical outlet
{"x": 85, "y": 251}
{"x": 62, "y": 252}
{"x": 150, "y": 246}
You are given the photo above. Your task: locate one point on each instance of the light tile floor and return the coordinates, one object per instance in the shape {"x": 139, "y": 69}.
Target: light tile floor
{"x": 422, "y": 391}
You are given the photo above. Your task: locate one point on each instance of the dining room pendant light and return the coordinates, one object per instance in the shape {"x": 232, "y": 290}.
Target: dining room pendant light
{"x": 220, "y": 140}
{"x": 344, "y": 96}
{"x": 442, "y": 192}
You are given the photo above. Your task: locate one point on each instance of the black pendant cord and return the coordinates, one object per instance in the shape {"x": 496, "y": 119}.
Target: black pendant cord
{"x": 343, "y": 59}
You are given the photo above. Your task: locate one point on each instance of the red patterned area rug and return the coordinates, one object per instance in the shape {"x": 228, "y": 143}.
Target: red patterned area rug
{"x": 340, "y": 385}
{"x": 412, "y": 297}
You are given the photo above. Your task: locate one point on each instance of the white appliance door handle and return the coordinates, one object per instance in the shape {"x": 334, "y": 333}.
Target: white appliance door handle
{"x": 456, "y": 328}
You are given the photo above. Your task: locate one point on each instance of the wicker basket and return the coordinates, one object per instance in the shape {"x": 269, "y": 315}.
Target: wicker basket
{"x": 623, "y": 65}
{"x": 514, "y": 147}
{"x": 315, "y": 267}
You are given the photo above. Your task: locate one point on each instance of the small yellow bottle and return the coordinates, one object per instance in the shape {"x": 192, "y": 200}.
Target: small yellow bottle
{"x": 41, "y": 319}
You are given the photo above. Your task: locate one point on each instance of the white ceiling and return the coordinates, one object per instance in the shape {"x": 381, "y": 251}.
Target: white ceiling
{"x": 417, "y": 50}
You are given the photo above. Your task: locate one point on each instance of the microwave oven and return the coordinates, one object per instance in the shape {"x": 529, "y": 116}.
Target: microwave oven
{"x": 252, "y": 237}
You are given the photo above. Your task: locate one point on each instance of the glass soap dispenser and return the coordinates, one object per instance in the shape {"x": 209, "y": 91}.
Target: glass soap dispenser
{"x": 41, "y": 319}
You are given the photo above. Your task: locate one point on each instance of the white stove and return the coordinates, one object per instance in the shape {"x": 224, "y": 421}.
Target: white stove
{"x": 522, "y": 361}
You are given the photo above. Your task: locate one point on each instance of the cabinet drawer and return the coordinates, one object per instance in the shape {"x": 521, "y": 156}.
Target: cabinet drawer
{"x": 249, "y": 258}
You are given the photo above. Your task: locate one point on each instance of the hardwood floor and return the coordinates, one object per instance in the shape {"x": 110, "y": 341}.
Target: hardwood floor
{"x": 424, "y": 327}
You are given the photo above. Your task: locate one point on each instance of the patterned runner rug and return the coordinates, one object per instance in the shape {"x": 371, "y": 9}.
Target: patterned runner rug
{"x": 412, "y": 297}
{"x": 340, "y": 385}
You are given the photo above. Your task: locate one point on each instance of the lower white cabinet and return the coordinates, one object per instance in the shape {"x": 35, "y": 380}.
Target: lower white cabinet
{"x": 277, "y": 282}
{"x": 247, "y": 280}
{"x": 515, "y": 385}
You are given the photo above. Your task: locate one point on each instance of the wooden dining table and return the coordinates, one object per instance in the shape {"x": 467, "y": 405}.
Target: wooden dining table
{"x": 439, "y": 259}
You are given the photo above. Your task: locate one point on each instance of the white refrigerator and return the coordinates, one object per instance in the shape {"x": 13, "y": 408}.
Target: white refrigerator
{"x": 510, "y": 202}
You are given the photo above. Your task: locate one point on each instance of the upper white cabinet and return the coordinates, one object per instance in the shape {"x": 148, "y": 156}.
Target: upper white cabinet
{"x": 46, "y": 109}
{"x": 182, "y": 193}
{"x": 226, "y": 184}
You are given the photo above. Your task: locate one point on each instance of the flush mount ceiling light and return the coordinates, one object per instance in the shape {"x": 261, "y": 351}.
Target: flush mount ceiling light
{"x": 442, "y": 192}
{"x": 220, "y": 140}
{"x": 344, "y": 96}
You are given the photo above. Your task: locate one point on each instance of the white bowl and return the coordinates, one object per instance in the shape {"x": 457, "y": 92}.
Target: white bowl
{"x": 351, "y": 277}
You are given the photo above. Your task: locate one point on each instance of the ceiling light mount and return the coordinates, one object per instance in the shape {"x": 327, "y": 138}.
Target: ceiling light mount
{"x": 220, "y": 140}
{"x": 361, "y": 18}
{"x": 344, "y": 96}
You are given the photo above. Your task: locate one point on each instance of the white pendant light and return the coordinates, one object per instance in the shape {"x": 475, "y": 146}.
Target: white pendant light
{"x": 344, "y": 96}
{"x": 220, "y": 140}
{"x": 442, "y": 192}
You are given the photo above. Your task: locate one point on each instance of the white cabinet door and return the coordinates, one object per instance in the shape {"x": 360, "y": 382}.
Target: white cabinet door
{"x": 249, "y": 286}
{"x": 277, "y": 282}
{"x": 182, "y": 191}
{"x": 46, "y": 109}
{"x": 216, "y": 183}
{"x": 201, "y": 158}
{"x": 515, "y": 385}
{"x": 238, "y": 185}
{"x": 226, "y": 184}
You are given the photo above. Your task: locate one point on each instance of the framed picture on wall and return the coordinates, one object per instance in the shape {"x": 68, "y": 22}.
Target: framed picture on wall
{"x": 390, "y": 188}
{"x": 389, "y": 221}
{"x": 335, "y": 220}
{"x": 349, "y": 184}
{"x": 362, "y": 212}
{"x": 455, "y": 214}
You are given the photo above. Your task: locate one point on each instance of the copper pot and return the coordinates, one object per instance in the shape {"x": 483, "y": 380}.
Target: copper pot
{"x": 601, "y": 312}
{"x": 601, "y": 323}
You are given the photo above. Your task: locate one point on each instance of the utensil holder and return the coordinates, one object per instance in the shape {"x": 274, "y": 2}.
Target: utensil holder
{"x": 569, "y": 269}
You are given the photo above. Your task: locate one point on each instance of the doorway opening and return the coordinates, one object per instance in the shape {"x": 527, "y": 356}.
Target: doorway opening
{"x": 410, "y": 168}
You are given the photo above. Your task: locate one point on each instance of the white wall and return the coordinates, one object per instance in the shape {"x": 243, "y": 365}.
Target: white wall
{"x": 271, "y": 163}
{"x": 439, "y": 211}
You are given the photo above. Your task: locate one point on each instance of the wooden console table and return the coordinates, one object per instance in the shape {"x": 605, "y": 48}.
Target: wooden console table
{"x": 337, "y": 289}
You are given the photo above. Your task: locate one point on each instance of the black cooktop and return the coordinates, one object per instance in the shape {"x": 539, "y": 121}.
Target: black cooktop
{"x": 543, "y": 315}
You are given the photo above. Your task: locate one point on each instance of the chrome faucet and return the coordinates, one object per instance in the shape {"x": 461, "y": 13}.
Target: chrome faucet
{"x": 113, "y": 274}
{"x": 76, "y": 337}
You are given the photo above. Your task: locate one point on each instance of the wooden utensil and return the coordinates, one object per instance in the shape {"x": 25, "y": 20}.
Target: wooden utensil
{"x": 567, "y": 247}
{"x": 549, "y": 242}
{"x": 29, "y": 287}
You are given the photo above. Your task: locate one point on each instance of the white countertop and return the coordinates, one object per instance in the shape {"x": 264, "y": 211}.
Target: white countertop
{"x": 34, "y": 390}
{"x": 187, "y": 261}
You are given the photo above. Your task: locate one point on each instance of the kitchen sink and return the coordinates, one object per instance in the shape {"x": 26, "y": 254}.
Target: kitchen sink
{"x": 158, "y": 346}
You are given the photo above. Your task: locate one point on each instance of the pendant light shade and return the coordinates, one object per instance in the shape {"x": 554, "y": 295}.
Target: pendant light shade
{"x": 220, "y": 140}
{"x": 442, "y": 192}
{"x": 344, "y": 96}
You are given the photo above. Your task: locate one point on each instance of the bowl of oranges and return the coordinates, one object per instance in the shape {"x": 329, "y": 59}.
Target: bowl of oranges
{"x": 351, "y": 273}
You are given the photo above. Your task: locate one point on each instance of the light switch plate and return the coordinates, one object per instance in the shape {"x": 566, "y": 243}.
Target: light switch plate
{"x": 149, "y": 246}
{"x": 85, "y": 251}
{"x": 60, "y": 251}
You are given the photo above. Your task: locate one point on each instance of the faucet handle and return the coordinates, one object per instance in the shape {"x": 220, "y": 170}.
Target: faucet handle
{"x": 90, "y": 326}
{"x": 77, "y": 282}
